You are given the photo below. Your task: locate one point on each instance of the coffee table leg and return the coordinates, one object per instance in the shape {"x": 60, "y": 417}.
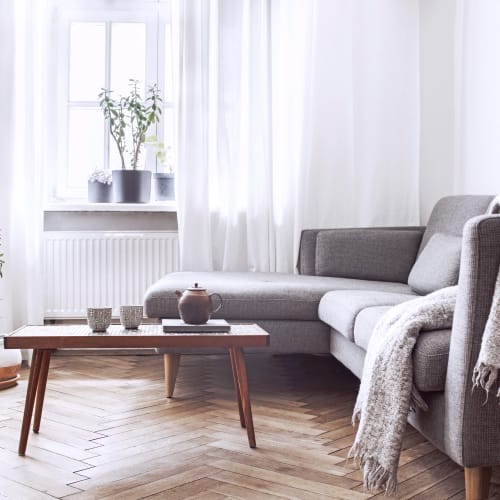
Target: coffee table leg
{"x": 171, "y": 365}
{"x": 241, "y": 372}
{"x": 30, "y": 399}
{"x": 234, "y": 368}
{"x": 42, "y": 384}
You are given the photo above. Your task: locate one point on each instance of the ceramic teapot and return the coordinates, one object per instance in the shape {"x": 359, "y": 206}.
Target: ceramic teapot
{"x": 196, "y": 305}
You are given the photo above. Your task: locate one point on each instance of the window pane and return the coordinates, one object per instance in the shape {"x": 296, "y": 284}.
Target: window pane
{"x": 168, "y": 126}
{"x": 168, "y": 138}
{"x": 85, "y": 145}
{"x": 128, "y": 56}
{"x": 87, "y": 59}
{"x": 168, "y": 93}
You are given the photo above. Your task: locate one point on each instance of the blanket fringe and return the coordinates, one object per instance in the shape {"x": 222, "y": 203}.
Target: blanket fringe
{"x": 375, "y": 476}
{"x": 417, "y": 401}
{"x": 356, "y": 416}
{"x": 485, "y": 376}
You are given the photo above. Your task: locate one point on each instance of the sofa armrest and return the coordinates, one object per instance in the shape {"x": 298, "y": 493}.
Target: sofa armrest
{"x": 380, "y": 253}
{"x": 472, "y": 423}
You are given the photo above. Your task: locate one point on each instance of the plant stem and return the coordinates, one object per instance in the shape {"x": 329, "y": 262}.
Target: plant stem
{"x": 122, "y": 158}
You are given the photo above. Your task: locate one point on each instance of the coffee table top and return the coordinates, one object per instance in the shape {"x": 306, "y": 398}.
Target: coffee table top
{"x": 81, "y": 337}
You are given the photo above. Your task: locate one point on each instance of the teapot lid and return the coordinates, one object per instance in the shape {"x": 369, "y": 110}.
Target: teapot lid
{"x": 197, "y": 288}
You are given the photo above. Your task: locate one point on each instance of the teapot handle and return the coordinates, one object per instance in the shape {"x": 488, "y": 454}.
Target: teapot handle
{"x": 211, "y": 302}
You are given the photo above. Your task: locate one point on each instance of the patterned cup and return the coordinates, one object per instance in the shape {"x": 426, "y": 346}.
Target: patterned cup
{"x": 131, "y": 317}
{"x": 99, "y": 318}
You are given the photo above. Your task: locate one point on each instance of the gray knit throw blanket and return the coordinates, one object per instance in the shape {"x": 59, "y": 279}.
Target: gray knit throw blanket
{"x": 488, "y": 362}
{"x": 387, "y": 391}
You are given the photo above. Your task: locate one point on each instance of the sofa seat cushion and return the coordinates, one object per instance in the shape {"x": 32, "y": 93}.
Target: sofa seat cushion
{"x": 251, "y": 296}
{"x": 430, "y": 356}
{"x": 339, "y": 309}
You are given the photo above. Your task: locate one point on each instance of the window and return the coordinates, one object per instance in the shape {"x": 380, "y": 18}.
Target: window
{"x": 104, "y": 44}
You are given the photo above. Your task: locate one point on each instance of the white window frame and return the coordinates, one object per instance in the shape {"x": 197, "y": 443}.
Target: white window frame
{"x": 155, "y": 14}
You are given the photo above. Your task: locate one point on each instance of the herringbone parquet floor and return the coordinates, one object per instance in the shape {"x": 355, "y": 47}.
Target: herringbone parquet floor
{"x": 108, "y": 432}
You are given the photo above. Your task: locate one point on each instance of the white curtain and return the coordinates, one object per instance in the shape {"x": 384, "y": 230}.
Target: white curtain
{"x": 292, "y": 114}
{"x": 21, "y": 142}
{"x": 477, "y": 101}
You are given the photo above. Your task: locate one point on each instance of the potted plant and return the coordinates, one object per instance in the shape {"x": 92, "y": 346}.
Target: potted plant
{"x": 99, "y": 186}
{"x": 163, "y": 182}
{"x": 129, "y": 119}
{"x": 10, "y": 359}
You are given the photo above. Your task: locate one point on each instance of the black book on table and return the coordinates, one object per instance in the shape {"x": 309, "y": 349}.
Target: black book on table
{"x": 211, "y": 326}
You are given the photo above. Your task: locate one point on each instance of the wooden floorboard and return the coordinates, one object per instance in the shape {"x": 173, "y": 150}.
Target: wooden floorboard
{"x": 108, "y": 432}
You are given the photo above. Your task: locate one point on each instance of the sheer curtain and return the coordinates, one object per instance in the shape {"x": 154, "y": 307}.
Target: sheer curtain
{"x": 6, "y": 141}
{"x": 292, "y": 114}
{"x": 224, "y": 142}
{"x": 477, "y": 103}
{"x": 22, "y": 132}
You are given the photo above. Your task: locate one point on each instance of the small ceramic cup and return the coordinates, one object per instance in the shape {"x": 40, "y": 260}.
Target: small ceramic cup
{"x": 130, "y": 317}
{"x": 99, "y": 318}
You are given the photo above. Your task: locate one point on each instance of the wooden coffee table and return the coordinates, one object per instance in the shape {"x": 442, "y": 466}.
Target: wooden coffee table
{"x": 46, "y": 339}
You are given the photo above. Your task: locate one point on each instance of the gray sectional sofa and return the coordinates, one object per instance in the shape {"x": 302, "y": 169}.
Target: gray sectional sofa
{"x": 348, "y": 278}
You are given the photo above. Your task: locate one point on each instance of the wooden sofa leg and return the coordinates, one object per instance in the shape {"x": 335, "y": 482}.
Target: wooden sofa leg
{"x": 171, "y": 364}
{"x": 477, "y": 482}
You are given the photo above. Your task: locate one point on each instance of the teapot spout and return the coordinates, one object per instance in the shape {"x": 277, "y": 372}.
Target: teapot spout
{"x": 178, "y": 293}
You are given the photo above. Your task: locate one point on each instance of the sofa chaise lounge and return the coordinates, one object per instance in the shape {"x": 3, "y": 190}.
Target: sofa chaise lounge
{"x": 347, "y": 279}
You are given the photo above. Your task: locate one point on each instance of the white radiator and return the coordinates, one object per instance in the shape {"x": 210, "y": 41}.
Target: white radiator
{"x": 103, "y": 268}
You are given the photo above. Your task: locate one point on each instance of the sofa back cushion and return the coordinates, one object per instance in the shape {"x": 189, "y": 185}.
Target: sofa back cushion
{"x": 376, "y": 254}
{"x": 438, "y": 264}
{"x": 450, "y": 214}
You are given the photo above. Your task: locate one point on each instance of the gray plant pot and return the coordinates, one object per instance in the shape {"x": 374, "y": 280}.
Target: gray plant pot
{"x": 99, "y": 192}
{"x": 164, "y": 186}
{"x": 131, "y": 186}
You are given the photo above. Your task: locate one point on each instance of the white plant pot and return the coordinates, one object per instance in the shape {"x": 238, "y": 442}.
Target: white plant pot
{"x": 10, "y": 364}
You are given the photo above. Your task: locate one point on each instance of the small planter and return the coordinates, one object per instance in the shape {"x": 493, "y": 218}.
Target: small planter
{"x": 10, "y": 364}
{"x": 99, "y": 192}
{"x": 131, "y": 186}
{"x": 164, "y": 186}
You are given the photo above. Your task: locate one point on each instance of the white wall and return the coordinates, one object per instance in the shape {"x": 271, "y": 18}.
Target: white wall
{"x": 437, "y": 172}
{"x": 460, "y": 100}
{"x": 478, "y": 79}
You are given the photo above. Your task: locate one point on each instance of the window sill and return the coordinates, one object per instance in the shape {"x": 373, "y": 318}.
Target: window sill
{"x": 158, "y": 206}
